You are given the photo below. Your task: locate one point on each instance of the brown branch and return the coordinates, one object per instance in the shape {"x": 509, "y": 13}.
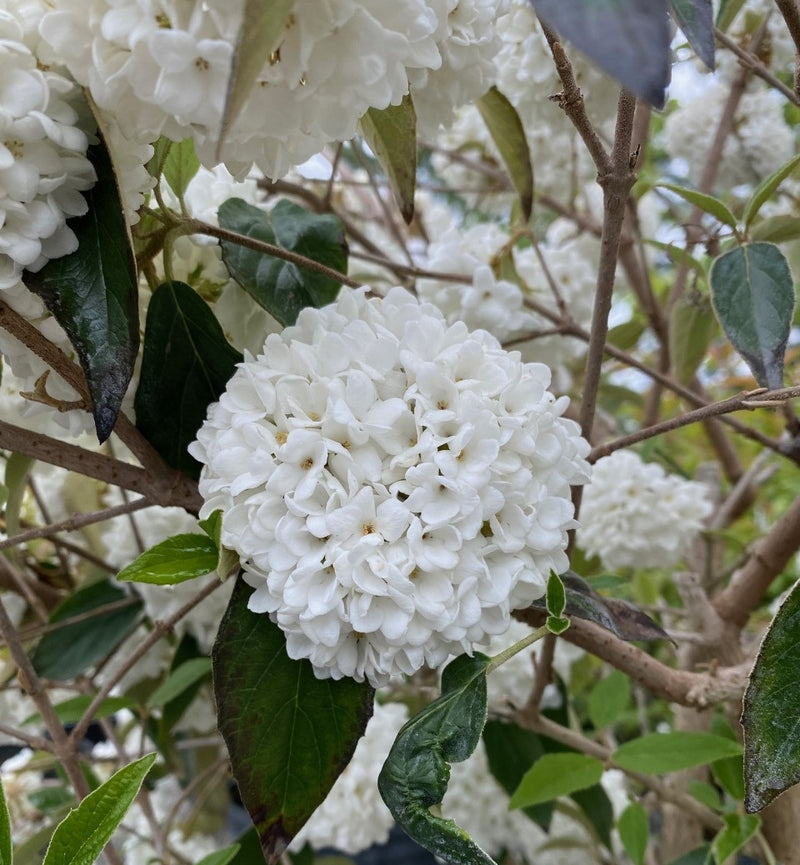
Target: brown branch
{"x": 790, "y": 9}
{"x": 754, "y": 64}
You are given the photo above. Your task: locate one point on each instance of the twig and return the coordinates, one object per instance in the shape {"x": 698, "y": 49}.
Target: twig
{"x": 754, "y": 64}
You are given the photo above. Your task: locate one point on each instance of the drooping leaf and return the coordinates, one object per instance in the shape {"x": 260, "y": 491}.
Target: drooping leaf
{"x": 657, "y": 753}
{"x": 260, "y": 35}
{"x": 180, "y": 166}
{"x": 175, "y": 560}
{"x": 692, "y": 327}
{"x": 634, "y": 832}
{"x": 80, "y": 837}
{"x": 508, "y": 134}
{"x": 628, "y": 39}
{"x": 753, "y": 294}
{"x": 179, "y": 680}
{"x": 766, "y": 189}
{"x": 555, "y": 775}
{"x": 414, "y": 777}
{"x": 289, "y": 734}
{"x": 772, "y": 710}
{"x": 93, "y": 294}
{"x": 739, "y": 829}
{"x": 186, "y": 363}
{"x": 71, "y": 711}
{"x": 392, "y": 136}
{"x": 221, "y": 857}
{"x": 281, "y": 287}
{"x": 696, "y": 19}
{"x": 5, "y": 830}
{"x": 609, "y": 699}
{"x": 67, "y": 652}
{"x": 706, "y": 203}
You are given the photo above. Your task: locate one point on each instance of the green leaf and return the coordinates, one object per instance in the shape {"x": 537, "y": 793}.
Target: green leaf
{"x": 556, "y": 597}
{"x": 678, "y": 255}
{"x": 627, "y": 334}
{"x": 692, "y": 327}
{"x": 93, "y": 294}
{"x": 730, "y": 776}
{"x": 597, "y": 807}
{"x": 705, "y": 793}
{"x": 728, "y": 10}
{"x": 767, "y": 188}
{"x": 161, "y": 149}
{"x": 772, "y": 709}
{"x": 179, "y": 680}
{"x": 657, "y": 753}
{"x": 260, "y": 35}
{"x": 776, "y": 229}
{"x": 227, "y": 560}
{"x": 415, "y": 775}
{"x": 175, "y": 560}
{"x": 508, "y": 134}
{"x": 698, "y": 856}
{"x": 555, "y": 775}
{"x": 634, "y": 831}
{"x": 739, "y": 829}
{"x": 180, "y": 166}
{"x": 67, "y": 652}
{"x": 706, "y": 203}
{"x": 609, "y": 699}
{"x": 696, "y": 19}
{"x": 392, "y": 136}
{"x": 186, "y": 363}
{"x": 72, "y": 710}
{"x": 212, "y": 526}
{"x": 628, "y": 39}
{"x": 283, "y": 288}
{"x": 221, "y": 857}
{"x": 557, "y": 624}
{"x": 753, "y": 294}
{"x": 289, "y": 734}
{"x": 50, "y": 800}
{"x": 5, "y": 830}
{"x": 18, "y": 469}
{"x": 80, "y": 837}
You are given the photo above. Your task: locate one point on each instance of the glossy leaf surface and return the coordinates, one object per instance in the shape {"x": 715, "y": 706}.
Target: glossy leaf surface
{"x": 179, "y": 558}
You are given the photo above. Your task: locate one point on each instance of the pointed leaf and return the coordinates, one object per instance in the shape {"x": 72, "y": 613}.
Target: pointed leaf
{"x": 260, "y": 35}
{"x": 289, "y": 734}
{"x": 555, "y": 596}
{"x": 93, "y": 294}
{"x": 180, "y": 166}
{"x": 766, "y": 189}
{"x": 706, "y": 203}
{"x": 696, "y": 19}
{"x": 182, "y": 677}
{"x": 221, "y": 857}
{"x": 80, "y": 837}
{"x": 415, "y": 775}
{"x": 634, "y": 831}
{"x": 71, "y": 711}
{"x": 753, "y": 294}
{"x": 392, "y": 136}
{"x": 179, "y": 558}
{"x": 628, "y": 39}
{"x": 186, "y": 363}
{"x": 555, "y": 775}
{"x": 771, "y": 715}
{"x": 739, "y": 829}
{"x": 5, "y": 830}
{"x": 161, "y": 149}
{"x": 508, "y": 134}
{"x": 67, "y": 652}
{"x": 281, "y": 287}
{"x": 692, "y": 327}
{"x": 657, "y": 753}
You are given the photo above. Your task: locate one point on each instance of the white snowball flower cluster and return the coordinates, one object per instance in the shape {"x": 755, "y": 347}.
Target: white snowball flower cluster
{"x": 394, "y": 486}
{"x": 353, "y": 816}
{"x": 43, "y": 164}
{"x": 636, "y": 515}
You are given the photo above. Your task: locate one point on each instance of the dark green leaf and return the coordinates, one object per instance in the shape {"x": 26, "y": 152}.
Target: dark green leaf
{"x": 753, "y": 294}
{"x": 5, "y": 830}
{"x": 510, "y": 750}
{"x": 704, "y": 202}
{"x": 186, "y": 364}
{"x": 555, "y": 775}
{"x": 80, "y": 837}
{"x": 283, "y": 288}
{"x": 260, "y": 34}
{"x": 629, "y": 39}
{"x": 634, "y": 831}
{"x": 71, "y": 711}
{"x": 180, "y": 166}
{"x": 766, "y": 189}
{"x": 729, "y": 773}
{"x": 415, "y": 775}
{"x": 179, "y": 680}
{"x": 557, "y": 624}
{"x": 175, "y": 560}
{"x": 692, "y": 327}
{"x": 93, "y": 294}
{"x": 771, "y": 715}
{"x": 739, "y": 829}
{"x": 657, "y": 753}
{"x": 221, "y": 857}
{"x": 696, "y": 19}
{"x": 596, "y": 805}
{"x": 67, "y": 652}
{"x": 555, "y": 597}
{"x": 609, "y": 699}
{"x": 508, "y": 134}
{"x": 392, "y": 136}
{"x": 289, "y": 734}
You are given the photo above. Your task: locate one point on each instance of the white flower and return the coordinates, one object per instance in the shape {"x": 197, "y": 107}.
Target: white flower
{"x": 394, "y": 486}
{"x": 636, "y": 515}
{"x": 353, "y": 815}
